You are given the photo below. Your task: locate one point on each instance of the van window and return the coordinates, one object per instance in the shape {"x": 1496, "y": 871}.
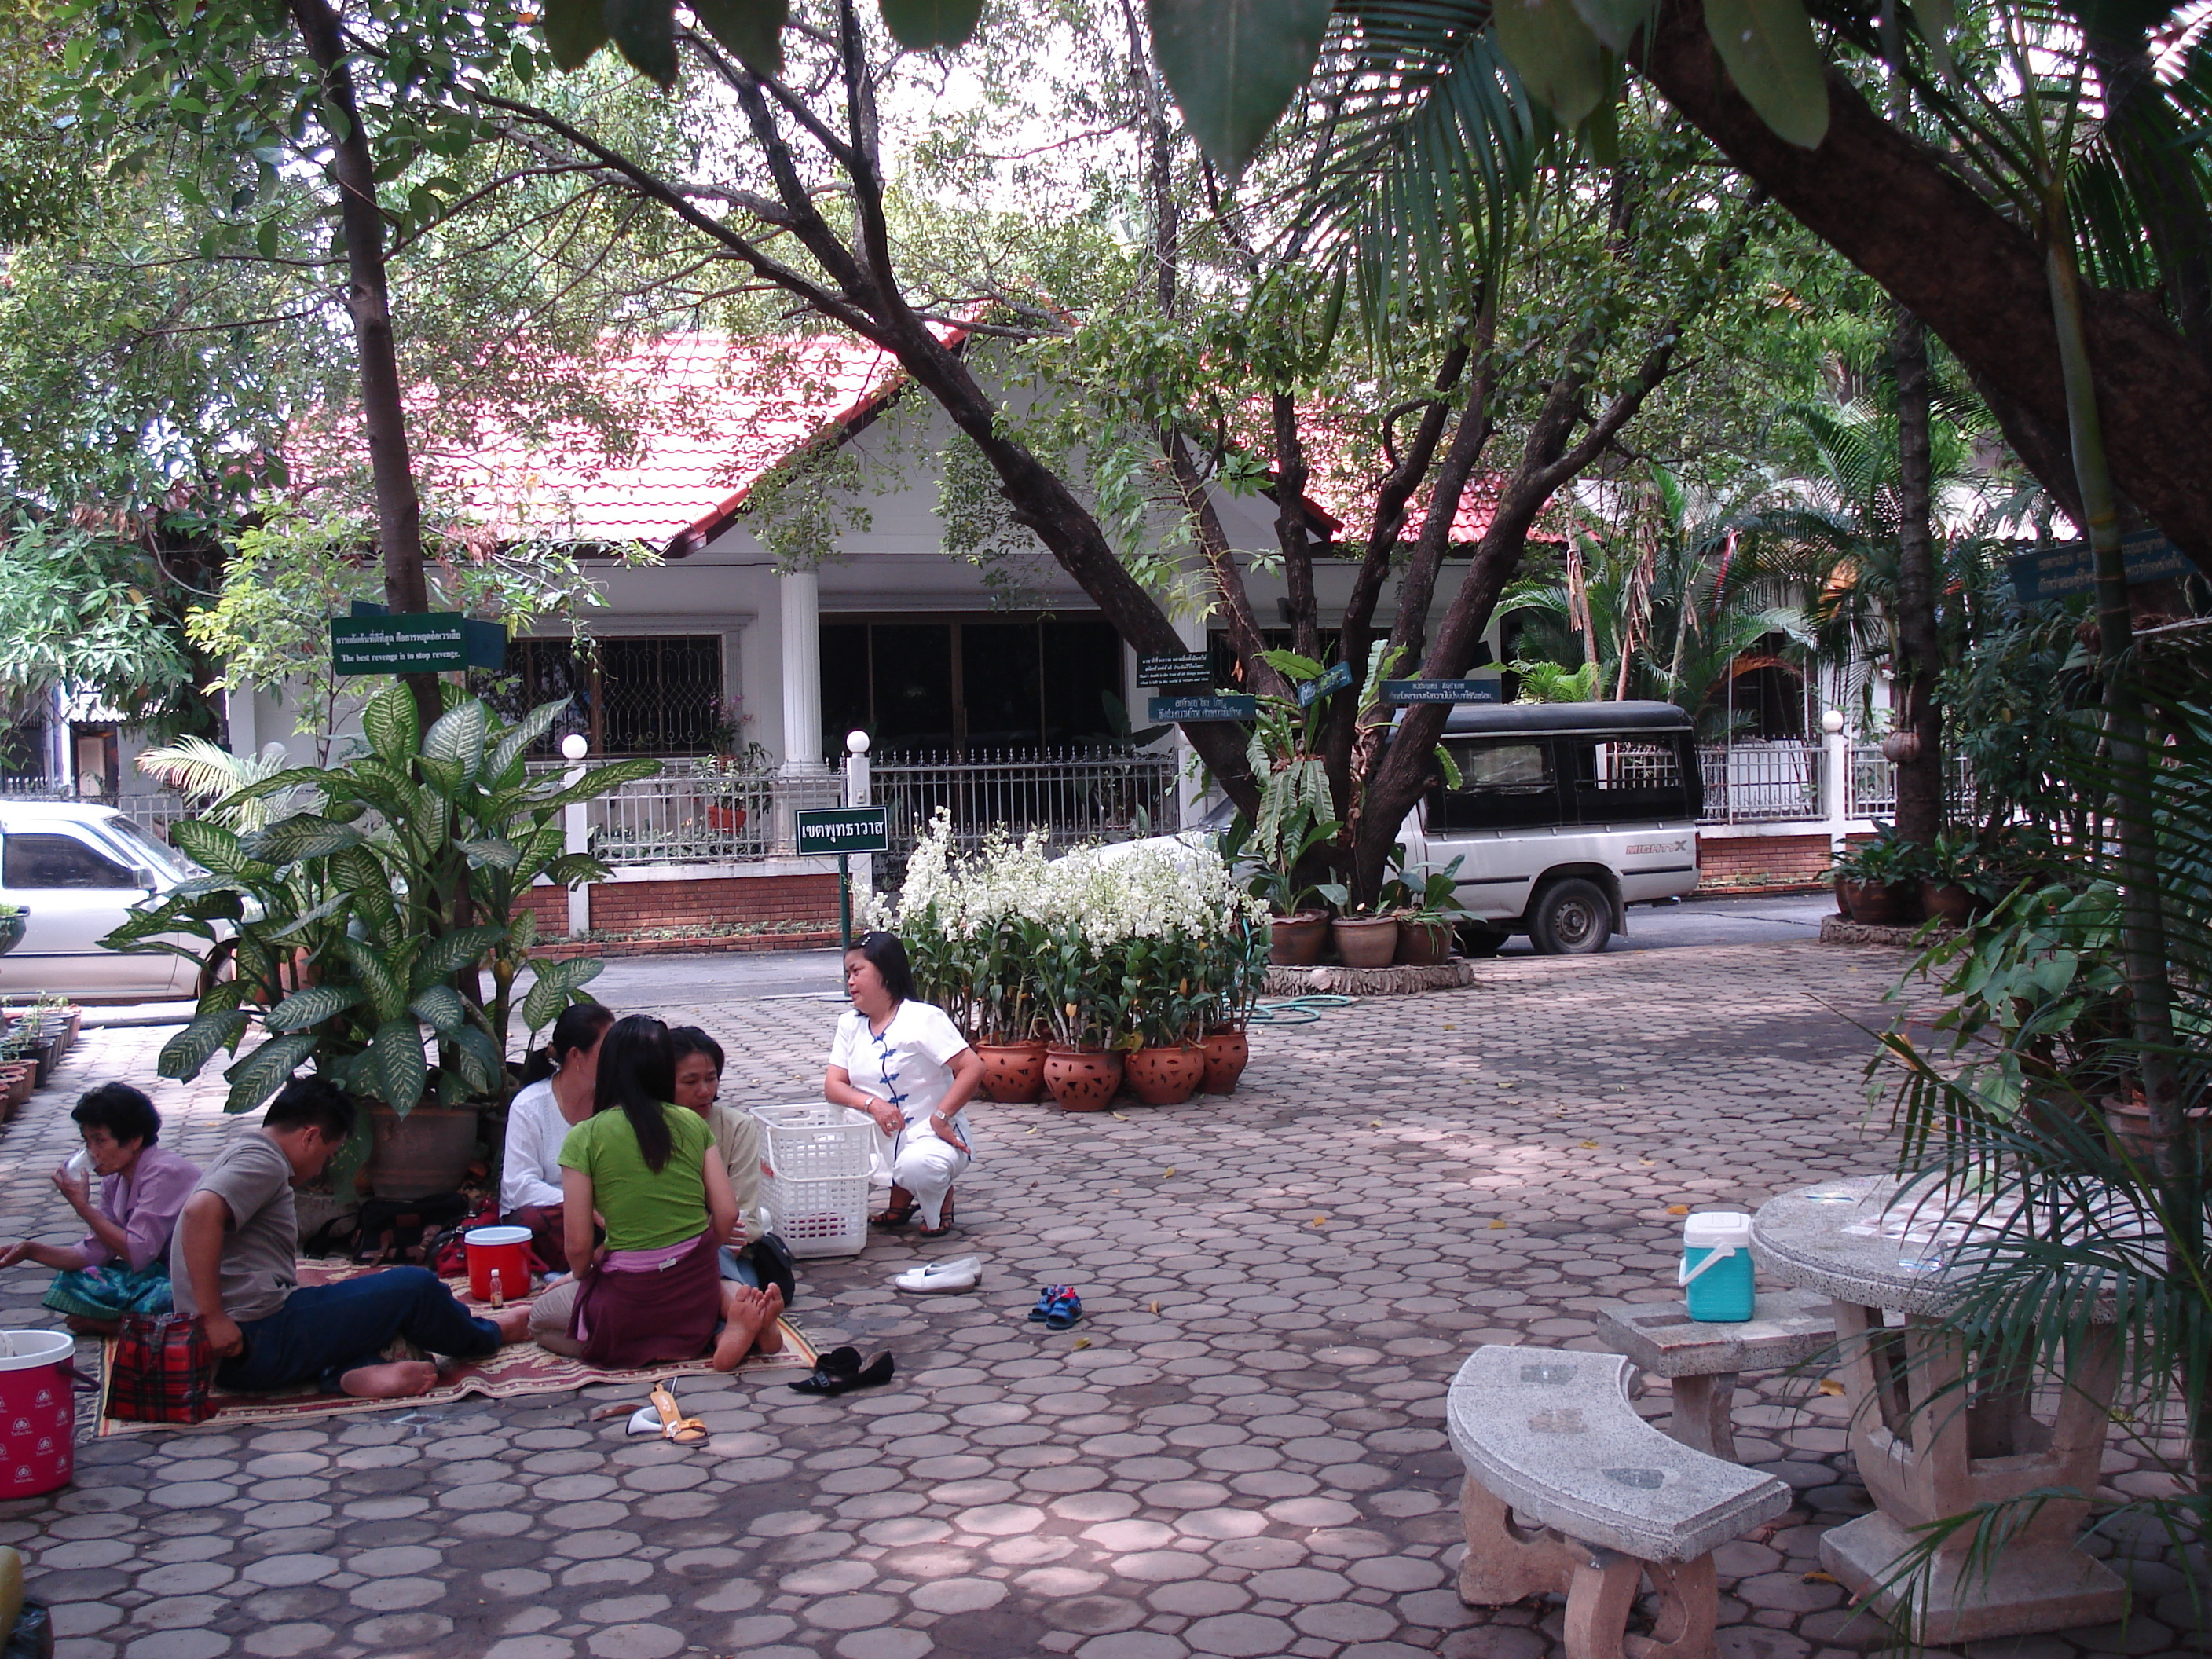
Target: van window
{"x": 57, "y": 861}
{"x": 1616, "y": 782}
{"x": 1505, "y": 783}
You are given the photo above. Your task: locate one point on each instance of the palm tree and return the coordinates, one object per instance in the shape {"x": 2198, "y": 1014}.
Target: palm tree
{"x": 209, "y": 775}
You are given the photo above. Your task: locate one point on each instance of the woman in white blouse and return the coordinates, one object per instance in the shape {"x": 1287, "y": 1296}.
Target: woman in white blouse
{"x": 905, "y": 1064}
{"x": 557, "y": 1095}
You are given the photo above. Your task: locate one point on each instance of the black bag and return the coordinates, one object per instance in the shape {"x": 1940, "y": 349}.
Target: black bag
{"x": 770, "y": 1259}
{"x": 394, "y": 1229}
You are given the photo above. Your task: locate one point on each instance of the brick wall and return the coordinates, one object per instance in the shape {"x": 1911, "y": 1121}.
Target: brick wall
{"x": 1762, "y": 864}
{"x": 625, "y": 906}
{"x": 550, "y": 905}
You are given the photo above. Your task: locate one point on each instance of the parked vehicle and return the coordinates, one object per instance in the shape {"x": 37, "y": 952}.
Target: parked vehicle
{"x": 1565, "y": 815}
{"x": 77, "y": 868}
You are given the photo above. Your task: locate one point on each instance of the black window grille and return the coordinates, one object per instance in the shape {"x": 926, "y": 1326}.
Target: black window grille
{"x": 630, "y": 696}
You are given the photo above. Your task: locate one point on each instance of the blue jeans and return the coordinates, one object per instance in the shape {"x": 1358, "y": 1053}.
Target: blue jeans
{"x": 324, "y": 1331}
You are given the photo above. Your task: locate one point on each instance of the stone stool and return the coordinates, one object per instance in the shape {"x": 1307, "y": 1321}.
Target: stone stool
{"x": 1703, "y": 1360}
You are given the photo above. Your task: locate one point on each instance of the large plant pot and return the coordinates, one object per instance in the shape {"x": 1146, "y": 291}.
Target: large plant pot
{"x": 1948, "y": 902}
{"x": 1082, "y": 1080}
{"x": 1166, "y": 1076}
{"x": 1013, "y": 1073}
{"x": 1881, "y": 904}
{"x": 1296, "y": 939}
{"x": 1844, "y": 897}
{"x": 1227, "y": 1053}
{"x": 2127, "y": 1127}
{"x": 11, "y": 931}
{"x": 1424, "y": 944}
{"x": 426, "y": 1152}
{"x": 1366, "y": 941}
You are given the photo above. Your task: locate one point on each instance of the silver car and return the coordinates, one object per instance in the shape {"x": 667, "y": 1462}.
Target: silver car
{"x": 77, "y": 868}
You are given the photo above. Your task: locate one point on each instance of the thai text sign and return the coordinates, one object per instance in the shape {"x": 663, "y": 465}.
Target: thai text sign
{"x": 1234, "y": 707}
{"x": 1335, "y": 680}
{"x": 369, "y": 642}
{"x": 2057, "y": 572}
{"x": 1409, "y": 691}
{"x": 1176, "y": 668}
{"x": 843, "y": 829}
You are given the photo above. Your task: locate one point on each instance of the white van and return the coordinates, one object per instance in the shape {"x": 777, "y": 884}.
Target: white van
{"x": 77, "y": 868}
{"x": 1566, "y": 813}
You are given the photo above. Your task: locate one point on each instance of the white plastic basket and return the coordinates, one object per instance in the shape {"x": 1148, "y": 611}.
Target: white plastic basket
{"x": 819, "y": 1218}
{"x": 816, "y": 1142}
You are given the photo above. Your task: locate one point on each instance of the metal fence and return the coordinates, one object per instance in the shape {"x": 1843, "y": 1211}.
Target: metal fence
{"x": 1874, "y": 785}
{"x": 1085, "y": 794}
{"x": 705, "y": 818}
{"x": 1760, "y": 783}
{"x": 156, "y": 812}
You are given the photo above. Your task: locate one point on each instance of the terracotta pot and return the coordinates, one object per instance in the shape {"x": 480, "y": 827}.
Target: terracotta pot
{"x": 1227, "y": 1053}
{"x": 1881, "y": 903}
{"x": 1298, "y": 939}
{"x": 1013, "y": 1073}
{"x": 1948, "y": 902}
{"x": 17, "y": 1079}
{"x": 426, "y": 1152}
{"x": 1843, "y": 898}
{"x": 1166, "y": 1076}
{"x": 1366, "y": 941}
{"x": 1082, "y": 1080}
{"x": 1424, "y": 944}
{"x": 2127, "y": 1125}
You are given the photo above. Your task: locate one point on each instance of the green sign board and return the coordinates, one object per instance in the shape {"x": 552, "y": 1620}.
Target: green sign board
{"x": 2054, "y": 572}
{"x": 843, "y": 829}
{"x": 1234, "y": 707}
{"x": 1401, "y": 692}
{"x": 1336, "y": 679}
{"x": 416, "y": 642}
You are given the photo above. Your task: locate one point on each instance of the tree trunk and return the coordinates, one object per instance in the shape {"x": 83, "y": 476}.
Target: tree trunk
{"x": 384, "y": 411}
{"x": 1920, "y": 805}
{"x": 1903, "y": 214}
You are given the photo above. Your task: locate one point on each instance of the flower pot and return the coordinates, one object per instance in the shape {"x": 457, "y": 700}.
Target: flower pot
{"x": 1844, "y": 897}
{"x": 2127, "y": 1127}
{"x": 11, "y": 931}
{"x": 1013, "y": 1073}
{"x": 1296, "y": 939}
{"x": 1082, "y": 1080}
{"x": 1227, "y": 1053}
{"x": 1165, "y": 1076}
{"x": 1366, "y": 941}
{"x": 1881, "y": 903}
{"x": 1424, "y": 944}
{"x": 426, "y": 1152}
{"x": 1948, "y": 902}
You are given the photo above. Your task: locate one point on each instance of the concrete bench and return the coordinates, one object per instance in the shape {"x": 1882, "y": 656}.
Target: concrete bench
{"x": 1703, "y": 1360}
{"x": 1551, "y": 1435}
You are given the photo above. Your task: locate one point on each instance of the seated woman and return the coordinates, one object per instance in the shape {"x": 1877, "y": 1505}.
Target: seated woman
{"x": 653, "y": 1291}
{"x": 557, "y": 1095}
{"x": 737, "y": 1141}
{"x": 905, "y": 1064}
{"x": 123, "y": 1265}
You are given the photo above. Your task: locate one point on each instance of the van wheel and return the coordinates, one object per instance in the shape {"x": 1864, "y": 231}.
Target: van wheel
{"x": 1476, "y": 940}
{"x": 1571, "y": 918}
{"x": 221, "y": 965}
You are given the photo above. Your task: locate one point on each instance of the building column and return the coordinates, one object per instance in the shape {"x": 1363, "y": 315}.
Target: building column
{"x": 799, "y": 592}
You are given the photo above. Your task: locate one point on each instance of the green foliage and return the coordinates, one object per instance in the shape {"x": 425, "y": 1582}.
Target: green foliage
{"x": 75, "y": 611}
{"x": 1559, "y": 58}
{"x": 1775, "y": 61}
{"x": 364, "y": 931}
{"x": 1234, "y": 65}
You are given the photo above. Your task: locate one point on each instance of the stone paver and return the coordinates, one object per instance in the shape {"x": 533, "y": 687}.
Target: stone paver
{"x": 1240, "y": 1450}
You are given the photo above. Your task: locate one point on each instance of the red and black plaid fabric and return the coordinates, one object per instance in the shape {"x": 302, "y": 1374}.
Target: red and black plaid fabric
{"x": 162, "y": 1370}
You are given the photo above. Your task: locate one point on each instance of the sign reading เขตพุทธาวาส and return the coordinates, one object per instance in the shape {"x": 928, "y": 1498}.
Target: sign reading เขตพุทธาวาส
{"x": 1235, "y": 706}
{"x": 843, "y": 830}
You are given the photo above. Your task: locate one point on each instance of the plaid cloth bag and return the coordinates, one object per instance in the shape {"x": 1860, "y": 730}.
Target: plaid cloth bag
{"x": 161, "y": 1370}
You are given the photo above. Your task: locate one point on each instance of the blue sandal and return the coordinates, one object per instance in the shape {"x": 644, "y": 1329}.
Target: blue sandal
{"x": 1065, "y": 1310}
{"x": 1046, "y": 1297}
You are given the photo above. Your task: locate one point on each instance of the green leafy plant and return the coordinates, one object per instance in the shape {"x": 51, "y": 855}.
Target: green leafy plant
{"x": 361, "y": 932}
{"x": 1436, "y": 900}
{"x": 1887, "y": 858}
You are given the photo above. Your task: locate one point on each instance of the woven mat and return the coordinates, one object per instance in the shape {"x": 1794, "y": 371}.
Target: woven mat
{"x": 517, "y": 1369}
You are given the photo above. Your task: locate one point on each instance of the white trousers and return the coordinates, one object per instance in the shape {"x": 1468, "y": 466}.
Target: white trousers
{"x": 922, "y": 1164}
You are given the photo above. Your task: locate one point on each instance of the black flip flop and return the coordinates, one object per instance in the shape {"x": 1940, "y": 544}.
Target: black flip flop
{"x": 841, "y": 1369}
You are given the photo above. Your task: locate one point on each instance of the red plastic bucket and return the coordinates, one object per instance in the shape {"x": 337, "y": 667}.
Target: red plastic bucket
{"x": 500, "y": 1251}
{"x": 37, "y": 1415}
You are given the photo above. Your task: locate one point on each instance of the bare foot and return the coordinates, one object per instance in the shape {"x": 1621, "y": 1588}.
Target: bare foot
{"x": 770, "y": 1339}
{"x": 744, "y": 1310}
{"x": 513, "y": 1322}
{"x": 397, "y": 1380}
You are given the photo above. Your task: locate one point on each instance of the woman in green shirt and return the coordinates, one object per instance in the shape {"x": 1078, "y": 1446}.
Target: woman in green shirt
{"x": 652, "y": 1292}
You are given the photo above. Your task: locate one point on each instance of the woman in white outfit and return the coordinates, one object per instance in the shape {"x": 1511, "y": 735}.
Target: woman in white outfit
{"x": 904, "y": 1063}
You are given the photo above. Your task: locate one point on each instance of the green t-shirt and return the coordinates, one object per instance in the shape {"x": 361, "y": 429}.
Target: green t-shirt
{"x": 643, "y": 1211}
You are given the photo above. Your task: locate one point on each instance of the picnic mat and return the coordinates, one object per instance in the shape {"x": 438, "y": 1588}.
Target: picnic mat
{"x": 517, "y": 1369}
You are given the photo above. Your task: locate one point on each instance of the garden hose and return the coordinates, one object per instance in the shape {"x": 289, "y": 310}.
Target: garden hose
{"x": 1296, "y": 1011}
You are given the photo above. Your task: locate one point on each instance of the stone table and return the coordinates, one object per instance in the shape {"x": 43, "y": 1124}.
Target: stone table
{"x": 1928, "y": 1446}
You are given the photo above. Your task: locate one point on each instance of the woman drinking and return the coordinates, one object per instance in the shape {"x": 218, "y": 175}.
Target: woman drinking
{"x": 904, "y": 1063}
{"x": 652, "y": 1291}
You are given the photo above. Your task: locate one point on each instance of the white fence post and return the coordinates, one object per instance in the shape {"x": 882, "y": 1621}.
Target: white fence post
{"x": 1836, "y": 782}
{"x": 576, "y": 828}
{"x": 857, "y": 780}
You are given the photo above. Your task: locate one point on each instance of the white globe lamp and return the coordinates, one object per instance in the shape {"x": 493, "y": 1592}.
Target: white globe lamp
{"x": 856, "y": 743}
{"x": 1832, "y": 721}
{"x": 575, "y": 747}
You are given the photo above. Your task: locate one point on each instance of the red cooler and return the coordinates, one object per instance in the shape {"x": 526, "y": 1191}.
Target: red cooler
{"x": 37, "y": 1415}
{"x": 501, "y": 1253}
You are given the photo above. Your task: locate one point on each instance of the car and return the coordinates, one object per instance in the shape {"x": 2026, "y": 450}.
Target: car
{"x": 77, "y": 868}
{"x": 1564, "y": 814}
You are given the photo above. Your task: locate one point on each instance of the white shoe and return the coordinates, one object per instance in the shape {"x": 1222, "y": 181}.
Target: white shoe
{"x": 958, "y": 1274}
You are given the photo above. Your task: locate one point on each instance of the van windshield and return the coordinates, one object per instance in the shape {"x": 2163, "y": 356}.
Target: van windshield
{"x": 144, "y": 841}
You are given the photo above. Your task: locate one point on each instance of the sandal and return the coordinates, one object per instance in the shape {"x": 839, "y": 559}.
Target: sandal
{"x": 1046, "y": 1297}
{"x": 840, "y": 1370}
{"x": 1065, "y": 1309}
{"x": 902, "y": 1207}
{"x": 673, "y": 1424}
{"x": 944, "y": 1220}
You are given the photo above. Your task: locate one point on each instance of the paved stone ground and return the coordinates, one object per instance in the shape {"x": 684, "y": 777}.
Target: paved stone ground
{"x": 1237, "y": 1453}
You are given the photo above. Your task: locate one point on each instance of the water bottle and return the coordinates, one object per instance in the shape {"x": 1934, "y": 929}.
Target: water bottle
{"x": 1715, "y": 1272}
